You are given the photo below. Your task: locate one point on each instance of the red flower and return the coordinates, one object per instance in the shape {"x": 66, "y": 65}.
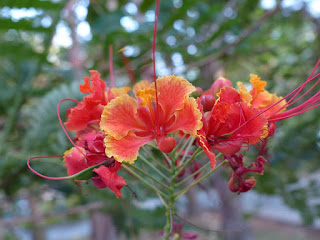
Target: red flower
{"x": 239, "y": 181}
{"x": 90, "y": 151}
{"x": 129, "y": 123}
{"x": 90, "y": 109}
{"x": 221, "y": 129}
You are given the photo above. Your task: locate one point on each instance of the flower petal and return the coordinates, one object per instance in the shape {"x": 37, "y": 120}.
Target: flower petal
{"x": 245, "y": 95}
{"x": 187, "y": 119}
{"x": 118, "y": 117}
{"x": 141, "y": 85}
{"x": 120, "y": 91}
{"x": 75, "y": 160}
{"x": 172, "y": 92}
{"x": 202, "y": 141}
{"x": 125, "y": 149}
{"x": 111, "y": 179}
{"x": 91, "y": 107}
{"x": 257, "y": 85}
{"x": 82, "y": 114}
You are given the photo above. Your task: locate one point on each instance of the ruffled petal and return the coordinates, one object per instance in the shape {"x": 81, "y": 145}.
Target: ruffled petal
{"x": 111, "y": 180}
{"x": 75, "y": 160}
{"x": 172, "y": 92}
{"x": 81, "y": 115}
{"x": 266, "y": 99}
{"x": 245, "y": 95}
{"x": 257, "y": 85}
{"x": 118, "y": 117}
{"x": 141, "y": 85}
{"x": 202, "y": 141}
{"x": 125, "y": 149}
{"x": 91, "y": 107}
{"x": 97, "y": 88}
{"x": 229, "y": 95}
{"x": 252, "y": 130}
{"x": 120, "y": 91}
{"x": 187, "y": 119}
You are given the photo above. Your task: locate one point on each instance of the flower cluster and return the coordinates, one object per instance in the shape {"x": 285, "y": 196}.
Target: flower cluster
{"x": 111, "y": 126}
{"x": 180, "y": 122}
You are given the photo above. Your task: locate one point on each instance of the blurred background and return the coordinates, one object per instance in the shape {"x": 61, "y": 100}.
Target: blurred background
{"x": 48, "y": 46}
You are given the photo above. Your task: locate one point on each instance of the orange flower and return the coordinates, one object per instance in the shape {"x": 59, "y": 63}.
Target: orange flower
{"x": 130, "y": 123}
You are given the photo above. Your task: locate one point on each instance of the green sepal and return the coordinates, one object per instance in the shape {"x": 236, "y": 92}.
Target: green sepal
{"x": 86, "y": 173}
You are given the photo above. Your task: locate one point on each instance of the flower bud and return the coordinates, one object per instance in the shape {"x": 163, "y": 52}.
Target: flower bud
{"x": 207, "y": 102}
{"x": 221, "y": 82}
{"x": 166, "y": 144}
{"x": 197, "y": 93}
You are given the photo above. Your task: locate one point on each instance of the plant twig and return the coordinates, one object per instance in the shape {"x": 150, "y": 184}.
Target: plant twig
{"x": 144, "y": 181}
{"x": 155, "y": 160}
{"x": 147, "y": 175}
{"x": 196, "y": 172}
{"x": 248, "y": 31}
{"x": 199, "y": 149}
{"x": 183, "y": 191}
{"x": 153, "y": 167}
{"x": 160, "y": 197}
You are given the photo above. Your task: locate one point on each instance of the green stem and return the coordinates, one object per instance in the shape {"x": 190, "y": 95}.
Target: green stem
{"x": 193, "y": 174}
{"x": 199, "y": 149}
{"x": 183, "y": 191}
{"x": 170, "y": 161}
{"x": 147, "y": 175}
{"x": 153, "y": 167}
{"x": 168, "y": 227}
{"x": 196, "y": 172}
{"x": 145, "y": 182}
{"x": 152, "y": 146}
{"x": 155, "y": 160}
{"x": 184, "y": 146}
{"x": 179, "y": 144}
{"x": 186, "y": 151}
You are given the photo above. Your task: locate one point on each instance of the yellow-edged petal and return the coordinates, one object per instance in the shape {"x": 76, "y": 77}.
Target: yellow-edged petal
{"x": 125, "y": 149}
{"x": 118, "y": 117}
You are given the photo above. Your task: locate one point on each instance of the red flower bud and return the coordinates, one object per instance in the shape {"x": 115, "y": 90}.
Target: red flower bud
{"x": 166, "y": 144}
{"x": 197, "y": 93}
{"x": 218, "y": 84}
{"x": 207, "y": 102}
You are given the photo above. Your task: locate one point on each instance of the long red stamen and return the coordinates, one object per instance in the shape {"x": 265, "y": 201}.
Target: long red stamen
{"x": 41, "y": 175}
{"x": 154, "y": 64}
{"x": 308, "y": 79}
{"x": 62, "y": 125}
{"x": 306, "y": 106}
{"x": 291, "y": 93}
{"x": 111, "y": 66}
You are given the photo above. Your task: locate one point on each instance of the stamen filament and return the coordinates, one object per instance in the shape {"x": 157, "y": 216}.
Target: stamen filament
{"x": 183, "y": 191}
{"x": 62, "y": 125}
{"x": 154, "y": 65}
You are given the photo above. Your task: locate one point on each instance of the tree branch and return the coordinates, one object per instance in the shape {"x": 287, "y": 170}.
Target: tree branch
{"x": 241, "y": 37}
